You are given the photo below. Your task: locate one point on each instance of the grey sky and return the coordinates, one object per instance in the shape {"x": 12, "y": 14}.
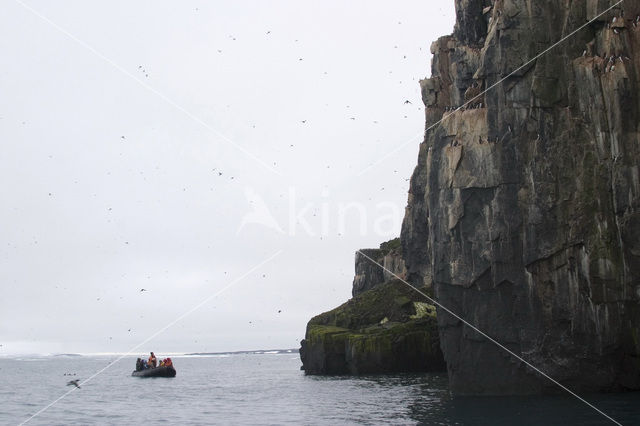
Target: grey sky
{"x": 314, "y": 90}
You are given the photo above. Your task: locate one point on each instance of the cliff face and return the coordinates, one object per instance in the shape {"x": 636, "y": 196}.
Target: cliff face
{"x": 369, "y": 274}
{"x": 523, "y": 211}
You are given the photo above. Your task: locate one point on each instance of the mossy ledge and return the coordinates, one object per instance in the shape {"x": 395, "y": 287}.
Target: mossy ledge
{"x": 390, "y": 328}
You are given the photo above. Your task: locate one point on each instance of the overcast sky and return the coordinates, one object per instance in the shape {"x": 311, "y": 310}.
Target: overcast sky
{"x": 187, "y": 147}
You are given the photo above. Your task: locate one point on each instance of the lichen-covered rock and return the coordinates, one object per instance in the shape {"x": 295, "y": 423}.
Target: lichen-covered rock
{"x": 524, "y": 207}
{"x": 390, "y": 328}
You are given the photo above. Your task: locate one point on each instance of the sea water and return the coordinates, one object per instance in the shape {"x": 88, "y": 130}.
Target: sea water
{"x": 268, "y": 389}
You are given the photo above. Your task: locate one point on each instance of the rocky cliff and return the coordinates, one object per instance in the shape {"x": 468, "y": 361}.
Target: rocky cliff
{"x": 523, "y": 211}
{"x": 387, "y": 329}
{"x": 369, "y": 274}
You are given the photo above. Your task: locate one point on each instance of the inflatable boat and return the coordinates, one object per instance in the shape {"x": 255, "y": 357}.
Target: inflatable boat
{"x": 156, "y": 372}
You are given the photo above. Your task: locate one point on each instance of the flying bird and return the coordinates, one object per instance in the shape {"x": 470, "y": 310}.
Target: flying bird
{"x": 74, "y": 383}
{"x": 407, "y": 102}
{"x": 143, "y": 289}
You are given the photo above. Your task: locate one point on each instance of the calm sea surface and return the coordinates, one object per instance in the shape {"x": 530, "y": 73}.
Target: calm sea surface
{"x": 265, "y": 389}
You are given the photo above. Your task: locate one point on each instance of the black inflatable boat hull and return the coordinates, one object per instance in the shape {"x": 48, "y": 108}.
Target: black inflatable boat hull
{"x": 156, "y": 372}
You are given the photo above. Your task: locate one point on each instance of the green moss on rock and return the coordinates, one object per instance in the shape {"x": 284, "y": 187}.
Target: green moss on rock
{"x": 390, "y": 245}
{"x": 423, "y": 310}
{"x": 354, "y": 338}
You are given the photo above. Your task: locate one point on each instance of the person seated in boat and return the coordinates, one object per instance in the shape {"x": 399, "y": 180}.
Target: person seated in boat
{"x": 153, "y": 362}
{"x": 161, "y": 363}
{"x": 139, "y": 364}
{"x": 168, "y": 363}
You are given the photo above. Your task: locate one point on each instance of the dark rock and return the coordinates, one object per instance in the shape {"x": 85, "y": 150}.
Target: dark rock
{"x": 390, "y": 328}
{"x": 369, "y": 274}
{"x": 524, "y": 212}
